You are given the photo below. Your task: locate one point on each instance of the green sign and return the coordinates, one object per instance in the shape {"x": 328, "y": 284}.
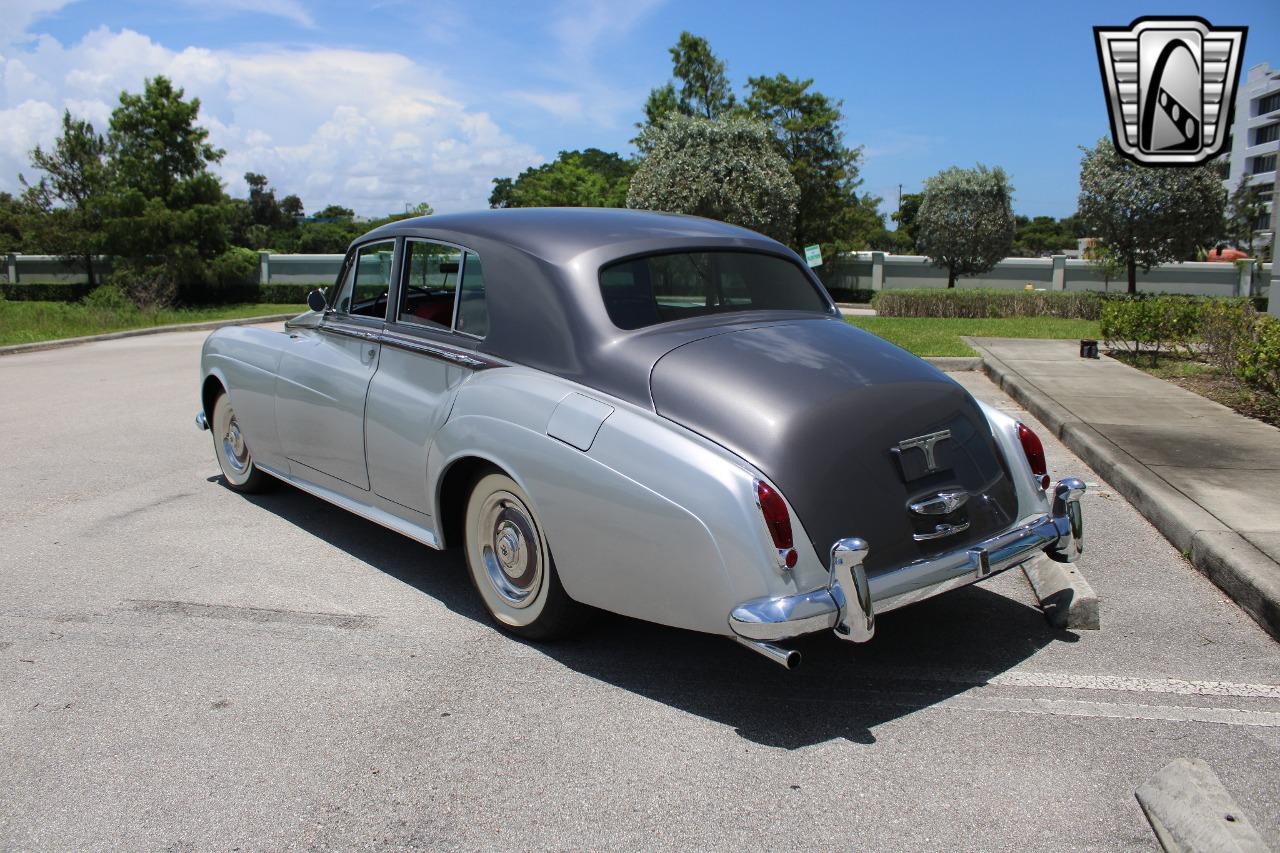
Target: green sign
{"x": 813, "y": 255}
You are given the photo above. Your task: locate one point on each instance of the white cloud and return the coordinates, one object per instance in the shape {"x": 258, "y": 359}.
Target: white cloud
{"x": 19, "y": 15}
{"x": 369, "y": 130}
{"x": 581, "y": 31}
{"x": 290, "y": 10}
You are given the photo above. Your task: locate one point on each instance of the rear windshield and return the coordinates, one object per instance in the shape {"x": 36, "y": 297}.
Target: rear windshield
{"x": 659, "y": 288}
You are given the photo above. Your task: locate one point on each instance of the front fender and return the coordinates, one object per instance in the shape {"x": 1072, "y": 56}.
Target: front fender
{"x": 246, "y": 360}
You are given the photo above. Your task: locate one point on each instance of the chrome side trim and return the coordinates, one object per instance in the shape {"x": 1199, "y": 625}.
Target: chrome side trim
{"x": 351, "y": 331}
{"x": 201, "y": 421}
{"x": 770, "y": 619}
{"x": 365, "y": 511}
{"x": 440, "y": 351}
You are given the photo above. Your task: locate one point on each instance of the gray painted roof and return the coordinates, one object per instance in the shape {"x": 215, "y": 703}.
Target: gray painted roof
{"x": 558, "y": 234}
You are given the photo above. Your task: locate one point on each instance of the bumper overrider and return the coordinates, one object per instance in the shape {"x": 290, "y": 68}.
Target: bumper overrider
{"x": 848, "y": 604}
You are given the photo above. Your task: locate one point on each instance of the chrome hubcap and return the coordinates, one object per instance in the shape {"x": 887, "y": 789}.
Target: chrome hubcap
{"x": 233, "y": 447}
{"x": 509, "y": 549}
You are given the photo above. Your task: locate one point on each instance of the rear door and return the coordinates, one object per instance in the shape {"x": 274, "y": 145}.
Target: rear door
{"x": 428, "y": 349}
{"x": 325, "y": 372}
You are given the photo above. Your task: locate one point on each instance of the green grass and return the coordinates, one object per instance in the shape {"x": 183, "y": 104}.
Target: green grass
{"x": 27, "y": 322}
{"x": 940, "y": 336}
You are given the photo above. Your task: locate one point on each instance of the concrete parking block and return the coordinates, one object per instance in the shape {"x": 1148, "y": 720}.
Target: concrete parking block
{"x": 1065, "y": 596}
{"x": 1190, "y": 810}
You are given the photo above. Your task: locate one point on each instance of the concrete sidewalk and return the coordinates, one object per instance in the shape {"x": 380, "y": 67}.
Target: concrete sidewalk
{"x": 1206, "y": 477}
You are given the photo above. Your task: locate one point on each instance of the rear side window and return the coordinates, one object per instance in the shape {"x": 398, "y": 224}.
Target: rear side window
{"x": 473, "y": 313}
{"x": 659, "y": 288}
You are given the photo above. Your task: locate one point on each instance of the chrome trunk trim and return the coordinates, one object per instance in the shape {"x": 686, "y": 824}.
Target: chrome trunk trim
{"x": 774, "y": 618}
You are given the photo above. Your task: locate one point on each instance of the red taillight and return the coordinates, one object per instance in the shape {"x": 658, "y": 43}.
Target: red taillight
{"x": 1034, "y": 452}
{"x": 778, "y": 520}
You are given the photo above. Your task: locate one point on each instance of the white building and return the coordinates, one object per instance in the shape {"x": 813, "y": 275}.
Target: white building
{"x": 1255, "y": 135}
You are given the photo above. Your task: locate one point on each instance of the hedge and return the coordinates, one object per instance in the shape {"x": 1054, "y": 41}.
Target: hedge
{"x": 980, "y": 303}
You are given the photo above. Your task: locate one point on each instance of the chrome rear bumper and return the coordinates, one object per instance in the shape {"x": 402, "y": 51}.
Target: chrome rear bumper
{"x": 848, "y": 604}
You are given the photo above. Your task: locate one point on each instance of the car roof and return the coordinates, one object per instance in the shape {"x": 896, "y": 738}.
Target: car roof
{"x": 558, "y": 234}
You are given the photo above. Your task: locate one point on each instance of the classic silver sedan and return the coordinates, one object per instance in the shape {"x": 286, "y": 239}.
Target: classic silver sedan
{"x": 656, "y": 415}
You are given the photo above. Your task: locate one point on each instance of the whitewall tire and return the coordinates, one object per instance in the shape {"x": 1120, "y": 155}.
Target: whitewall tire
{"x": 510, "y": 564}
{"x": 232, "y": 451}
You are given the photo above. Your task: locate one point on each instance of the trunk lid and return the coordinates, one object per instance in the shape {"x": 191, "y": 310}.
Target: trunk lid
{"x": 822, "y": 408}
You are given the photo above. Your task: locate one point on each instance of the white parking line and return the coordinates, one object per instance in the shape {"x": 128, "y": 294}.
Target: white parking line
{"x": 1067, "y": 681}
{"x": 1112, "y": 710}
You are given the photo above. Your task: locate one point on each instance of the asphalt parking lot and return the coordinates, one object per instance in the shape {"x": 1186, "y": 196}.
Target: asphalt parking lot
{"x": 183, "y": 667}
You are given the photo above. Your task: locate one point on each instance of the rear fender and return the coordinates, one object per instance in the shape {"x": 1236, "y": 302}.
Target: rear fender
{"x": 650, "y": 522}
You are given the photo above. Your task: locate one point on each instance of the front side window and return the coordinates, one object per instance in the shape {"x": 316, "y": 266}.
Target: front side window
{"x": 660, "y": 288}
{"x": 429, "y": 284}
{"x": 363, "y": 290}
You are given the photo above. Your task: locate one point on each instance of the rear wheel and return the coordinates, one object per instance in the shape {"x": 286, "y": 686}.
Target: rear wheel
{"x": 233, "y": 454}
{"x": 510, "y": 564}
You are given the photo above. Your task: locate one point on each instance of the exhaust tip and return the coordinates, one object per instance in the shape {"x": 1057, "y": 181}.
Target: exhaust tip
{"x": 786, "y": 658}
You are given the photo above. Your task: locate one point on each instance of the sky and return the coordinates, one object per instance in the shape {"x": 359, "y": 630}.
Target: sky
{"x": 381, "y": 105}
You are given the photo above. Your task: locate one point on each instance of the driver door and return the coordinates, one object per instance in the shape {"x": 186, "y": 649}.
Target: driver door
{"x": 325, "y": 372}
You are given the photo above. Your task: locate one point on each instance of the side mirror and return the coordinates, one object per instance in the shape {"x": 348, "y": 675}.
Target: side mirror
{"x": 316, "y": 301}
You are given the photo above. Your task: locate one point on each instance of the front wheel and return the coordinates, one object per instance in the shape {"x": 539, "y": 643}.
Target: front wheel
{"x": 233, "y": 453}
{"x": 510, "y": 564}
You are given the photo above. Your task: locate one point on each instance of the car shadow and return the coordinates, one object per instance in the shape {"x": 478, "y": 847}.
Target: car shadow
{"x": 921, "y": 656}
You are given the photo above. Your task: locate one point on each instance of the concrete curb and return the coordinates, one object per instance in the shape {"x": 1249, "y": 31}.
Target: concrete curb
{"x": 207, "y": 325}
{"x": 955, "y": 363}
{"x": 1248, "y": 576}
{"x": 1065, "y": 596}
{"x": 1190, "y": 809}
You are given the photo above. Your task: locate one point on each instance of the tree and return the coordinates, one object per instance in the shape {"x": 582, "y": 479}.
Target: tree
{"x": 11, "y": 223}
{"x": 727, "y": 169}
{"x": 590, "y": 178}
{"x": 1245, "y": 207}
{"x": 155, "y": 141}
{"x": 703, "y": 85}
{"x": 1148, "y": 216}
{"x": 1042, "y": 235}
{"x": 263, "y": 206}
{"x": 291, "y": 207}
{"x": 965, "y": 223}
{"x": 67, "y": 200}
{"x": 905, "y": 216}
{"x": 806, "y": 126}
{"x": 336, "y": 212}
{"x": 166, "y": 214}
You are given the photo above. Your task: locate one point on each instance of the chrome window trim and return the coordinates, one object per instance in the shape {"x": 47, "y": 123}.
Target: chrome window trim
{"x": 351, "y": 330}
{"x": 452, "y": 328}
{"x": 442, "y": 351}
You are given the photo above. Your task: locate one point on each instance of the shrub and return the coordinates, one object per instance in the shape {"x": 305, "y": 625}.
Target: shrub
{"x": 1150, "y": 325}
{"x": 1258, "y": 361}
{"x": 979, "y": 303}
{"x": 108, "y": 299}
{"x": 1226, "y": 326}
{"x": 148, "y": 287}
{"x": 234, "y": 275}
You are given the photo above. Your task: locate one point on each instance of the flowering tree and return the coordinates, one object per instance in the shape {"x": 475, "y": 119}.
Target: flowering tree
{"x": 726, "y": 168}
{"x": 1147, "y": 216}
{"x": 965, "y": 223}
